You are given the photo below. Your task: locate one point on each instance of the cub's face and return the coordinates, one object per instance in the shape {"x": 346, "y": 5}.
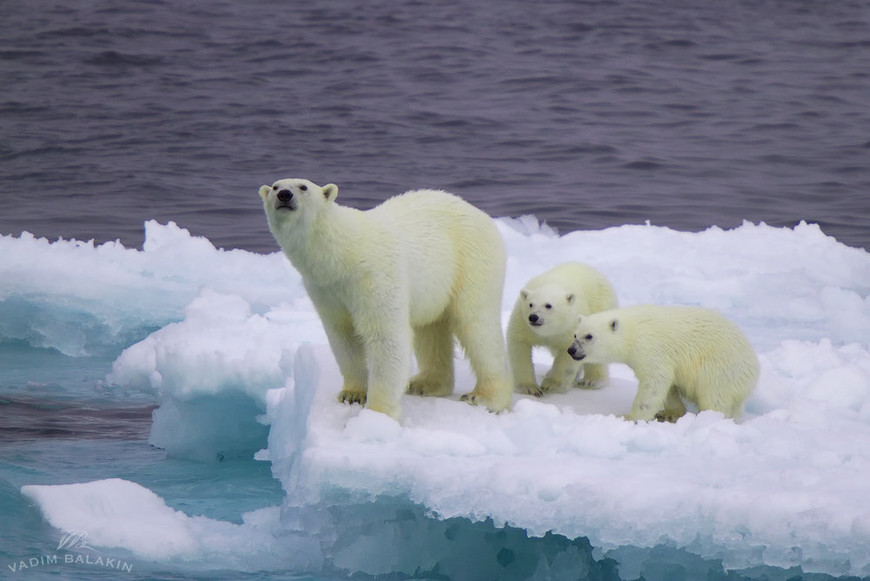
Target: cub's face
{"x": 591, "y": 339}
{"x": 547, "y": 311}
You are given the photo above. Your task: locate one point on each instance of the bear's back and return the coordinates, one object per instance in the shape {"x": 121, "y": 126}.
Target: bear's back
{"x": 430, "y": 217}
{"x": 690, "y": 331}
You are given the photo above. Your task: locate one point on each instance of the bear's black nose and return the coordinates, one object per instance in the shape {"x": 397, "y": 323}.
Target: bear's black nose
{"x": 533, "y": 318}
{"x": 285, "y": 196}
{"x": 572, "y": 350}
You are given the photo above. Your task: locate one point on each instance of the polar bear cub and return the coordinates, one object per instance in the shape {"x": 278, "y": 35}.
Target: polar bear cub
{"x": 675, "y": 352}
{"x": 423, "y": 266}
{"x": 545, "y": 314}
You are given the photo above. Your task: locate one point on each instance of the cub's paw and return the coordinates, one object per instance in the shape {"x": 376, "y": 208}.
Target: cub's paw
{"x": 590, "y": 383}
{"x": 551, "y": 385}
{"x": 530, "y": 389}
{"x": 669, "y": 416}
{"x": 352, "y": 396}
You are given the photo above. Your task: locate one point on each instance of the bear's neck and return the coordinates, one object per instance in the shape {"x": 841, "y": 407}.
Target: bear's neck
{"x": 320, "y": 250}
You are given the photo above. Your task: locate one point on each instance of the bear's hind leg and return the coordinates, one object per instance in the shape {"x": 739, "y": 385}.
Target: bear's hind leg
{"x": 433, "y": 346}
{"x": 674, "y": 407}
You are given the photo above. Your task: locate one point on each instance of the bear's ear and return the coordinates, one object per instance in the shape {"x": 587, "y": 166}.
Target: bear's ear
{"x": 614, "y": 324}
{"x": 524, "y": 294}
{"x": 330, "y": 192}
{"x": 264, "y": 191}
{"x": 570, "y": 298}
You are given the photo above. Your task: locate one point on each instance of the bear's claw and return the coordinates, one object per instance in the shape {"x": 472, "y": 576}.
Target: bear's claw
{"x": 468, "y": 398}
{"x": 351, "y": 397}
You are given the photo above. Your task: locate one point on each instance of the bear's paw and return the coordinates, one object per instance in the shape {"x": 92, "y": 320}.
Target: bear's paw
{"x": 496, "y": 397}
{"x": 552, "y": 385}
{"x": 530, "y": 389}
{"x": 670, "y": 416}
{"x": 429, "y": 386}
{"x": 591, "y": 383}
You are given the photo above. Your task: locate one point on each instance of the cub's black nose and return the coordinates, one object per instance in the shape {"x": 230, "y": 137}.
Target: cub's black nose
{"x": 571, "y": 350}
{"x": 285, "y": 196}
{"x": 533, "y": 318}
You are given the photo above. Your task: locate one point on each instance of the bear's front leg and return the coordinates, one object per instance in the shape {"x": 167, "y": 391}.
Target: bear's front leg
{"x": 389, "y": 362}
{"x": 387, "y": 338}
{"x": 346, "y": 346}
{"x": 562, "y": 375}
{"x": 350, "y": 356}
{"x": 652, "y": 391}
{"x": 522, "y": 368}
{"x": 594, "y": 376}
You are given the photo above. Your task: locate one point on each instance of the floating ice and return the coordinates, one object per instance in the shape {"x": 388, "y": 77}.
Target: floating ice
{"x": 238, "y": 358}
{"x": 111, "y": 295}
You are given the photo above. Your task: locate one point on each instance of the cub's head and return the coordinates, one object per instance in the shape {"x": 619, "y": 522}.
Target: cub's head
{"x": 595, "y": 338}
{"x": 548, "y": 310}
{"x": 294, "y": 199}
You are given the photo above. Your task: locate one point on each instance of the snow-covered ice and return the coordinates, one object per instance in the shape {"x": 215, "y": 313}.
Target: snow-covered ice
{"x": 234, "y": 351}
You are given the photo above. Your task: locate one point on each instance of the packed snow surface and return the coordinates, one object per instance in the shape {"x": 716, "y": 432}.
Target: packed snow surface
{"x": 233, "y": 349}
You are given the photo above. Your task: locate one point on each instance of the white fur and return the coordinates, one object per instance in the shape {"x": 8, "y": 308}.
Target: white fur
{"x": 675, "y": 352}
{"x": 545, "y": 314}
{"x": 420, "y": 267}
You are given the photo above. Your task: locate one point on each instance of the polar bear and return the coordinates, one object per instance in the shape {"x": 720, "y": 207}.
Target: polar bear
{"x": 545, "y": 314}
{"x": 422, "y": 266}
{"x": 676, "y": 352}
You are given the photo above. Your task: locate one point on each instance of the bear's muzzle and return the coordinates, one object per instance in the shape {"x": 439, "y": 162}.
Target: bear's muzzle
{"x": 576, "y": 351}
{"x": 285, "y": 201}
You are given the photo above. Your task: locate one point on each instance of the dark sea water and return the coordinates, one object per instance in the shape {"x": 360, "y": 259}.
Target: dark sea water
{"x": 587, "y": 114}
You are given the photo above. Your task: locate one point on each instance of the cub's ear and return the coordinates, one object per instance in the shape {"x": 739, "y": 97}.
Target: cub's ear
{"x": 614, "y": 324}
{"x": 264, "y": 191}
{"x": 570, "y": 298}
{"x": 330, "y": 192}
{"x": 524, "y": 294}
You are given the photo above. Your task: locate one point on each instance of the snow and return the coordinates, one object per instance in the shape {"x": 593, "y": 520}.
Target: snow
{"x": 231, "y": 346}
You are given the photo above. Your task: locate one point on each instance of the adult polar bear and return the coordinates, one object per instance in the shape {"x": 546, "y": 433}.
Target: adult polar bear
{"x": 422, "y": 266}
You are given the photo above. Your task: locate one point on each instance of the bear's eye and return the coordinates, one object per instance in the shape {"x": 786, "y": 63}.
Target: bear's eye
{"x": 531, "y": 305}
{"x": 548, "y": 306}
{"x": 303, "y": 188}
{"x": 588, "y": 337}
{"x": 274, "y": 187}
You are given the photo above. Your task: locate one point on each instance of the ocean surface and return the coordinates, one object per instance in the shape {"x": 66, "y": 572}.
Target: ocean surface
{"x": 140, "y": 374}
{"x": 587, "y": 114}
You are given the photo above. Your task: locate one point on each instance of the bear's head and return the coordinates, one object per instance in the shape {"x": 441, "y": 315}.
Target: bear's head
{"x": 292, "y": 202}
{"x": 596, "y": 338}
{"x": 548, "y": 310}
